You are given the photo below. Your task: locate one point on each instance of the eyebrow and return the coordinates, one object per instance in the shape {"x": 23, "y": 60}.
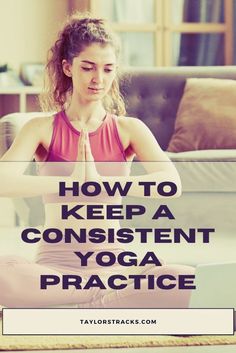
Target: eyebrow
{"x": 92, "y": 63}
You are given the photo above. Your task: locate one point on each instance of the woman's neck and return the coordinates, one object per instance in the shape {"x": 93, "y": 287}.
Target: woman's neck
{"x": 85, "y": 112}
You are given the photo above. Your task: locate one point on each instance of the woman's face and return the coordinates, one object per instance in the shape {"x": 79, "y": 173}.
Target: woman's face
{"x": 92, "y": 71}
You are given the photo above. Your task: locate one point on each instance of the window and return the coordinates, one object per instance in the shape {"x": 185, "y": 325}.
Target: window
{"x": 171, "y": 32}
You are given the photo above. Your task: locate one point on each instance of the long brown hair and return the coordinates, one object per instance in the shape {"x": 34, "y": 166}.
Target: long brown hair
{"x": 79, "y": 31}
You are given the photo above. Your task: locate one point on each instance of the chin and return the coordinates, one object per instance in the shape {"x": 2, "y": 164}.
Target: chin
{"x": 95, "y": 97}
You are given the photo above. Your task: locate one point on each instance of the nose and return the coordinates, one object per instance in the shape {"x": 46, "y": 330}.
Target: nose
{"x": 97, "y": 76}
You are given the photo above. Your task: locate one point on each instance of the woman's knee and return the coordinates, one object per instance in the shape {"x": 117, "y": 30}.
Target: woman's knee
{"x": 170, "y": 269}
{"x": 12, "y": 260}
{"x": 10, "y": 281}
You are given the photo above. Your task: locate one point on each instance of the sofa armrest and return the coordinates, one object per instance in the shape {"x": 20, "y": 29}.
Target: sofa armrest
{"x": 203, "y": 156}
{"x": 206, "y": 170}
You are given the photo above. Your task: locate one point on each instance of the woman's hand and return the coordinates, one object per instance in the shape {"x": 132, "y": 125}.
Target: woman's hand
{"x": 79, "y": 172}
{"x": 91, "y": 170}
{"x": 85, "y": 168}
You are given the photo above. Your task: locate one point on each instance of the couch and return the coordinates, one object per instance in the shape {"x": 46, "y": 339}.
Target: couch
{"x": 208, "y": 176}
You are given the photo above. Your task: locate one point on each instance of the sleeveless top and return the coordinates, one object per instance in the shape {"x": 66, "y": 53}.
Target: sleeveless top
{"x": 105, "y": 142}
{"x": 105, "y": 145}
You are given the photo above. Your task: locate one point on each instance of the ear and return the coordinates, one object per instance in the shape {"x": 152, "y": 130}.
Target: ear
{"x": 66, "y": 67}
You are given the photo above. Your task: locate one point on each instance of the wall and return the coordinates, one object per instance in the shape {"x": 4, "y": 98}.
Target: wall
{"x": 27, "y": 28}
{"x": 81, "y": 5}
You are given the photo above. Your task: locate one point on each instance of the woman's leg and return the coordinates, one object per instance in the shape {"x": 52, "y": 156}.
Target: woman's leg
{"x": 144, "y": 297}
{"x": 20, "y": 286}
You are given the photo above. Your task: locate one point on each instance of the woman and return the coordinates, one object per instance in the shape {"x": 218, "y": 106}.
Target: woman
{"x": 83, "y": 88}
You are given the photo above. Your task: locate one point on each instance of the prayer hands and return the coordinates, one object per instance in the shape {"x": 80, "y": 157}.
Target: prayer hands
{"x": 85, "y": 169}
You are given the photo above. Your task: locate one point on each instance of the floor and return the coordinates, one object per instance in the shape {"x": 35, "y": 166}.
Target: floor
{"x": 202, "y": 349}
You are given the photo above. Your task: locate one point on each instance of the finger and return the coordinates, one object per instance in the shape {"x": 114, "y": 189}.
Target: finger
{"x": 81, "y": 138}
{"x": 81, "y": 150}
{"x": 89, "y": 155}
{"x": 81, "y": 153}
{"x": 87, "y": 147}
{"x": 85, "y": 142}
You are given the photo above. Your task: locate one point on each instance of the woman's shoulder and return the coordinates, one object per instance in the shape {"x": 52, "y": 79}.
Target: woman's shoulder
{"x": 134, "y": 129}
{"x": 43, "y": 121}
{"x": 130, "y": 129}
{"x": 38, "y": 129}
{"x": 40, "y": 124}
{"x": 129, "y": 123}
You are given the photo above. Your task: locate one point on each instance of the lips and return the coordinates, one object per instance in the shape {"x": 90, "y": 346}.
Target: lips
{"x": 95, "y": 89}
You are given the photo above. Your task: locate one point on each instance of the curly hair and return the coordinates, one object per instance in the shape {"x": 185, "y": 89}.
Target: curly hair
{"x": 79, "y": 31}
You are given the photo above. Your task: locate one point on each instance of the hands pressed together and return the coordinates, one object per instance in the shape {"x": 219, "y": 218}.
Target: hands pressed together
{"x": 85, "y": 168}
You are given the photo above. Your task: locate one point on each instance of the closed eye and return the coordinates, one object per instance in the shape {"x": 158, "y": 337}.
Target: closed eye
{"x": 87, "y": 68}
{"x": 90, "y": 69}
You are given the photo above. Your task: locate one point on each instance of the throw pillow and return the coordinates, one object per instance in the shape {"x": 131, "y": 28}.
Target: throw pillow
{"x": 206, "y": 117}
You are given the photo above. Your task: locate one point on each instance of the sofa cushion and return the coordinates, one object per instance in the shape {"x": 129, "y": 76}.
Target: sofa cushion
{"x": 206, "y": 118}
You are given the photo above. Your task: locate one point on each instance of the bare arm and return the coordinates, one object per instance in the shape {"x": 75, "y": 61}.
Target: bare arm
{"x": 158, "y": 166}
{"x": 14, "y": 162}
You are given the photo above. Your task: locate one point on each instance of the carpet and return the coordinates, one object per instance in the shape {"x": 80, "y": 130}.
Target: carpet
{"x": 73, "y": 342}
